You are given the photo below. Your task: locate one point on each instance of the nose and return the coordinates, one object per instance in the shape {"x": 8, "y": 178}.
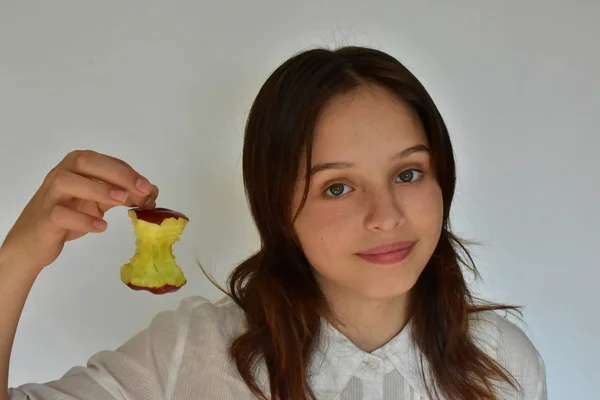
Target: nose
{"x": 384, "y": 211}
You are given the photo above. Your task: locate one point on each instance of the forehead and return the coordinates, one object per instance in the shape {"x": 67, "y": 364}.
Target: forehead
{"x": 368, "y": 122}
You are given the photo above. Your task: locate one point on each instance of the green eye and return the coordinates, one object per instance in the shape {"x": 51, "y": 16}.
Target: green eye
{"x": 408, "y": 175}
{"x": 336, "y": 190}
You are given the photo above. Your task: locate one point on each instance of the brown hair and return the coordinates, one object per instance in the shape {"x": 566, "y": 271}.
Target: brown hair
{"x": 276, "y": 287}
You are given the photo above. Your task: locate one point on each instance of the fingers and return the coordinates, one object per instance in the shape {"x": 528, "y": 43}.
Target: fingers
{"x": 71, "y": 200}
{"x": 116, "y": 173}
{"x": 67, "y": 183}
{"x": 71, "y": 220}
{"x": 110, "y": 170}
{"x": 148, "y": 202}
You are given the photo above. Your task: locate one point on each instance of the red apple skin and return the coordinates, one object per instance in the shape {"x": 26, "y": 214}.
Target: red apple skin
{"x": 157, "y": 215}
{"x": 157, "y": 290}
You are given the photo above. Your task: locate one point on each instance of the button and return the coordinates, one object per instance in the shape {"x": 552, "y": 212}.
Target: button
{"x": 373, "y": 362}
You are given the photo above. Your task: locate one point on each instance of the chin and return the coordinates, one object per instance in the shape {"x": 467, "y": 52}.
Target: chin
{"x": 388, "y": 293}
{"x": 392, "y": 283}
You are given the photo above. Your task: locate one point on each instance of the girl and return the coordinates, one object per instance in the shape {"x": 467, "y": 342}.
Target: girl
{"x": 356, "y": 291}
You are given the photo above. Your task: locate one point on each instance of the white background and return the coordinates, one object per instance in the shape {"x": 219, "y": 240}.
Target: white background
{"x": 166, "y": 86}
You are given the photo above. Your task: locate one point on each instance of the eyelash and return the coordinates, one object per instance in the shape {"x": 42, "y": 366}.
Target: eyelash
{"x": 418, "y": 171}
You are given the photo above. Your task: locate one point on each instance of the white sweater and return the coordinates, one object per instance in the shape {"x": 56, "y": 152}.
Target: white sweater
{"x": 183, "y": 354}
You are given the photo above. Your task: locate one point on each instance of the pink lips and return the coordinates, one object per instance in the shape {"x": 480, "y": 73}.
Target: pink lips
{"x": 390, "y": 253}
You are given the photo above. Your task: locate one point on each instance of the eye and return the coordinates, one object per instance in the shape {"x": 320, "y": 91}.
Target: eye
{"x": 410, "y": 175}
{"x": 337, "y": 190}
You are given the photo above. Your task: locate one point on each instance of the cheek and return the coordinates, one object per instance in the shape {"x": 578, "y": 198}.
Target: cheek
{"x": 323, "y": 231}
{"x": 425, "y": 212}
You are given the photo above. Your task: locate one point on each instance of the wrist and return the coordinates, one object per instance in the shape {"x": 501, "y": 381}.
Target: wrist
{"x": 10, "y": 259}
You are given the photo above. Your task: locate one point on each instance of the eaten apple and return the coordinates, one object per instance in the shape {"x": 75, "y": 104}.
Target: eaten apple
{"x": 153, "y": 266}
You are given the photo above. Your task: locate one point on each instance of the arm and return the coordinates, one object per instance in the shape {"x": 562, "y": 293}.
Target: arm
{"x": 145, "y": 367}
{"x": 15, "y": 284}
{"x": 70, "y": 203}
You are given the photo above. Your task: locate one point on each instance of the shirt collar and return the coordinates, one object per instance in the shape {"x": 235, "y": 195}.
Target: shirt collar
{"x": 336, "y": 360}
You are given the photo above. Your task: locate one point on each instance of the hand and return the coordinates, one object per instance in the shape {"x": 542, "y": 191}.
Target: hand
{"x": 71, "y": 202}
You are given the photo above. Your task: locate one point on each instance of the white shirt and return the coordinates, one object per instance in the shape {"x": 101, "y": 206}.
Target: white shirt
{"x": 183, "y": 355}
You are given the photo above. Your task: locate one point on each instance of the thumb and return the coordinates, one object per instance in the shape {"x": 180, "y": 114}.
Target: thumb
{"x": 132, "y": 200}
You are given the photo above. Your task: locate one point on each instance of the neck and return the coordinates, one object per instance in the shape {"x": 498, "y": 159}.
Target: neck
{"x": 369, "y": 323}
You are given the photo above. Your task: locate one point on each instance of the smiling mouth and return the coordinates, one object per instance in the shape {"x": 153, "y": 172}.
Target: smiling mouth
{"x": 392, "y": 253}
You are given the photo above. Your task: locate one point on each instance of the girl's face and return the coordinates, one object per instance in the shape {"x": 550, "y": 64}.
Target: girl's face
{"x": 372, "y": 185}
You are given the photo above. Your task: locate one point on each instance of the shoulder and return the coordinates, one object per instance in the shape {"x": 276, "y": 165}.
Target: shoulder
{"x": 196, "y": 321}
{"x": 225, "y": 307}
{"x": 182, "y": 351}
{"x": 221, "y": 313}
{"x": 204, "y": 348}
{"x": 507, "y": 344}
{"x": 221, "y": 318}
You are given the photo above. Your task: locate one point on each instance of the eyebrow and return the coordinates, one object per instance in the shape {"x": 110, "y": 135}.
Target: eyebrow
{"x": 345, "y": 165}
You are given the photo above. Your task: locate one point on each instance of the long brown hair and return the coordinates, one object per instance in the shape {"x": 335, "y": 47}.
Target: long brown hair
{"x": 276, "y": 287}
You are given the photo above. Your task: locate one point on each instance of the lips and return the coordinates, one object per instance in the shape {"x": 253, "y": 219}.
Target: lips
{"x": 390, "y": 253}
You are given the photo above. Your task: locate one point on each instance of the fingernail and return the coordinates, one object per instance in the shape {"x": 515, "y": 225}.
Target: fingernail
{"x": 150, "y": 203}
{"x": 118, "y": 195}
{"x": 143, "y": 185}
{"x": 99, "y": 224}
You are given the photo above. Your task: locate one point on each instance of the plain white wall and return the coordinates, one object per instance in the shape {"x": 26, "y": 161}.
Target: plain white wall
{"x": 167, "y": 85}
